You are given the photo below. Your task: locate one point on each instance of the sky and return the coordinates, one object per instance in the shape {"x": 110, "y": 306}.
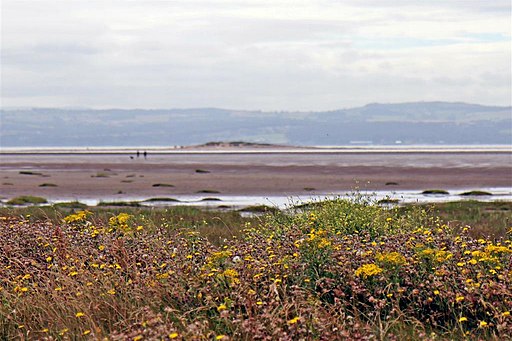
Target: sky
{"x": 267, "y": 55}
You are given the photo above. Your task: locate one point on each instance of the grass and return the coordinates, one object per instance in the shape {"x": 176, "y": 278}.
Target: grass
{"x": 435, "y": 192}
{"x": 163, "y": 185}
{"x": 475, "y": 193}
{"x": 488, "y": 219}
{"x": 100, "y": 175}
{"x": 388, "y": 201}
{"x": 27, "y": 200}
{"x": 162, "y": 199}
{"x": 260, "y": 209}
{"x": 119, "y": 203}
{"x": 70, "y": 205}
{"x": 30, "y": 173}
{"x": 47, "y": 184}
{"x": 339, "y": 269}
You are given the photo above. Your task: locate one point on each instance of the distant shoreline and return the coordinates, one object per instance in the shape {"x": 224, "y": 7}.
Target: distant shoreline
{"x": 255, "y": 148}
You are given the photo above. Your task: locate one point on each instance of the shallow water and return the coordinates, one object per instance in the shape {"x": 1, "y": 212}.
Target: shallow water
{"x": 282, "y": 202}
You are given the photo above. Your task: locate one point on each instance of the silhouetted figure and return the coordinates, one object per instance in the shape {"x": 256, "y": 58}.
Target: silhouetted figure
{"x": 145, "y": 155}
{"x": 138, "y": 153}
{"x": 131, "y": 157}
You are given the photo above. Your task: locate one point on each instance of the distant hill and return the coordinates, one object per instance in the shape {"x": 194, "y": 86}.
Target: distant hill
{"x": 407, "y": 123}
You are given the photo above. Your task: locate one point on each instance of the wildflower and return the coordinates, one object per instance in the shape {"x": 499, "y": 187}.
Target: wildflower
{"x": 368, "y": 270}
{"x": 111, "y": 292}
{"x": 506, "y": 313}
{"x": 232, "y": 276}
{"x": 436, "y": 292}
{"x": 79, "y": 314}
{"x": 138, "y": 337}
{"x": 391, "y": 258}
{"x": 293, "y": 320}
{"x": 221, "y": 307}
{"x": 220, "y": 337}
{"x": 78, "y": 217}
{"x": 86, "y": 332}
{"x": 173, "y": 335}
{"x": 463, "y": 319}
{"x": 459, "y": 298}
{"x": 497, "y": 249}
{"x": 482, "y": 324}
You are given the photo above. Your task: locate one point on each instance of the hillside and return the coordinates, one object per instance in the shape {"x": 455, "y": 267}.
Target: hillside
{"x": 409, "y": 123}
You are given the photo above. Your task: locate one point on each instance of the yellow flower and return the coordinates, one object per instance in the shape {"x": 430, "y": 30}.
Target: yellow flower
{"x": 391, "y": 258}
{"x": 506, "y": 313}
{"x": 138, "y": 337}
{"x": 173, "y": 335}
{"x": 463, "y": 319}
{"x": 459, "y": 298}
{"x": 482, "y": 324}
{"x": 368, "y": 270}
{"x": 86, "y": 332}
{"x": 79, "y": 314}
{"x": 221, "y": 307}
{"x": 220, "y": 337}
{"x": 294, "y": 320}
{"x": 111, "y": 292}
{"x": 436, "y": 292}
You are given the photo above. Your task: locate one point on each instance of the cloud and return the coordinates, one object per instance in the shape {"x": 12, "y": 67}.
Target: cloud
{"x": 272, "y": 55}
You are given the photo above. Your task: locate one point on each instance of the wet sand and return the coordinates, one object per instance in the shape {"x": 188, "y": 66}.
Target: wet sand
{"x": 72, "y": 176}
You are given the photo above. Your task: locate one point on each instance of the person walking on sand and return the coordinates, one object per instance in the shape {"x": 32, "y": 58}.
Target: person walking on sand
{"x": 145, "y": 155}
{"x": 138, "y": 153}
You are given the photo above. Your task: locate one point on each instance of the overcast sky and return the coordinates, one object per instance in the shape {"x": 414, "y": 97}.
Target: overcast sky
{"x": 254, "y": 54}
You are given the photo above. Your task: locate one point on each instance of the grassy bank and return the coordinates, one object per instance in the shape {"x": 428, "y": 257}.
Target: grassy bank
{"x": 340, "y": 269}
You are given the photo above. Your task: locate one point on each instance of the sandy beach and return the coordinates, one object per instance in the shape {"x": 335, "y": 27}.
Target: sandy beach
{"x": 120, "y": 176}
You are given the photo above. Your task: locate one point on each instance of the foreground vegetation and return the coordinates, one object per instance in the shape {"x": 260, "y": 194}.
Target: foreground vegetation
{"x": 338, "y": 269}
